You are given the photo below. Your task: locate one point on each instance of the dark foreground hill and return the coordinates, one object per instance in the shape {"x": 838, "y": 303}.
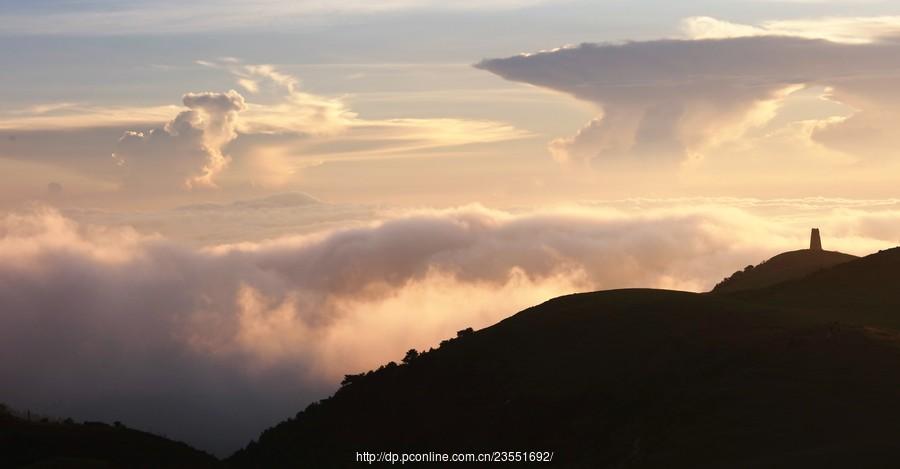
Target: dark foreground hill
{"x": 45, "y": 444}
{"x": 781, "y": 268}
{"x": 801, "y": 374}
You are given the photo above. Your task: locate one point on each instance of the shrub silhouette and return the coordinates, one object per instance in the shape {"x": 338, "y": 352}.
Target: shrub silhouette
{"x": 350, "y": 379}
{"x": 411, "y": 355}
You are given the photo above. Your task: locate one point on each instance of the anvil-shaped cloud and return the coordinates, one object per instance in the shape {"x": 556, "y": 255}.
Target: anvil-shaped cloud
{"x": 672, "y": 100}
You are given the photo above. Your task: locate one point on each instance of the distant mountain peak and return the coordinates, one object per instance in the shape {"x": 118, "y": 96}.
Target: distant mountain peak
{"x": 283, "y": 200}
{"x": 276, "y": 201}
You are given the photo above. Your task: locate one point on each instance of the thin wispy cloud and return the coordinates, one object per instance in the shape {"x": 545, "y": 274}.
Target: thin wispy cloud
{"x": 167, "y": 17}
{"x": 849, "y": 30}
{"x": 225, "y": 137}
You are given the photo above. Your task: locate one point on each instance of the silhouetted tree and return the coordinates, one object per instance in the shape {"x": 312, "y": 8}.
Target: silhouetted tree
{"x": 350, "y": 379}
{"x": 411, "y": 355}
{"x": 465, "y": 332}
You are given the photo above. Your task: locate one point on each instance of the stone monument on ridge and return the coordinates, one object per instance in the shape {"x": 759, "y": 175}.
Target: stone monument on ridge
{"x": 815, "y": 240}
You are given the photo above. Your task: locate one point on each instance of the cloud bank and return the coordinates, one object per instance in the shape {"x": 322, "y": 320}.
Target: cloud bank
{"x": 669, "y": 101}
{"x": 109, "y": 323}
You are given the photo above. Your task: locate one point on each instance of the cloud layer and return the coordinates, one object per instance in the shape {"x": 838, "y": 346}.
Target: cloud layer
{"x": 107, "y": 17}
{"x": 669, "y": 101}
{"x": 849, "y": 30}
{"x": 109, "y": 323}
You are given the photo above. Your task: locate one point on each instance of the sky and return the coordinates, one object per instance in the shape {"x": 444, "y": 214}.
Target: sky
{"x": 211, "y": 211}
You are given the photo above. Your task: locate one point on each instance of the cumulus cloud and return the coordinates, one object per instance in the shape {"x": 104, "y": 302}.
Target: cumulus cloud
{"x": 187, "y": 151}
{"x": 674, "y": 100}
{"x": 222, "y": 139}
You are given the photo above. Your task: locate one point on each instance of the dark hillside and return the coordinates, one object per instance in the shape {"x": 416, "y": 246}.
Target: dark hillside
{"x": 46, "y": 443}
{"x": 864, "y": 291}
{"x": 630, "y": 378}
{"x": 781, "y": 268}
{"x": 803, "y": 373}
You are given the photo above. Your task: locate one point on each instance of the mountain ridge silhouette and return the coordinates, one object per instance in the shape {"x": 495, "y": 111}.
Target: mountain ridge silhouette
{"x": 786, "y": 266}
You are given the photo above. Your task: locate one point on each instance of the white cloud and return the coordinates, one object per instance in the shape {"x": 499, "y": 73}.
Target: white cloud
{"x": 849, "y": 30}
{"x": 188, "y": 150}
{"x": 268, "y": 140}
{"x": 671, "y": 101}
{"x": 69, "y": 116}
{"x": 237, "y": 336}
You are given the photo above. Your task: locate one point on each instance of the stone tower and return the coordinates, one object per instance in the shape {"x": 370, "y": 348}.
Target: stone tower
{"x": 815, "y": 241}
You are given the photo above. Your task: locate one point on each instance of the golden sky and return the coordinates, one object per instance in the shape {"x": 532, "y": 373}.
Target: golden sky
{"x": 251, "y": 199}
